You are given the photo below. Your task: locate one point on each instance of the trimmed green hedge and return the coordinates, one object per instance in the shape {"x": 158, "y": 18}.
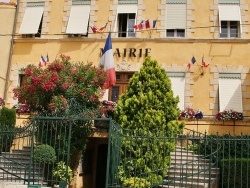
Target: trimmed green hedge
{"x": 7, "y": 126}
{"x": 7, "y": 117}
{"x": 235, "y": 172}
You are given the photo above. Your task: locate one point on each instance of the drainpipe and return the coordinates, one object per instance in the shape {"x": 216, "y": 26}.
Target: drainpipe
{"x": 11, "y": 52}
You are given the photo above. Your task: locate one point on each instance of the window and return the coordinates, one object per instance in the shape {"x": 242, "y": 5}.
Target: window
{"x": 126, "y": 15}
{"x": 125, "y": 25}
{"x": 229, "y": 1}
{"x": 122, "y": 80}
{"x": 230, "y": 21}
{"x": 32, "y": 20}
{"x": 127, "y": 2}
{"x": 78, "y": 18}
{"x": 178, "y": 86}
{"x": 229, "y": 29}
{"x": 175, "y": 19}
{"x": 230, "y": 94}
{"x": 175, "y": 32}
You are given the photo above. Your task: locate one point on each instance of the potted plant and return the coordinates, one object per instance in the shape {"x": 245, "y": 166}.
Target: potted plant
{"x": 190, "y": 114}
{"x": 63, "y": 174}
{"x": 106, "y": 110}
{"x": 228, "y": 115}
{"x": 45, "y": 156}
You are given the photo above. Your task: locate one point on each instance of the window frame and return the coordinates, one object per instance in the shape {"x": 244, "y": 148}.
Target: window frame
{"x": 175, "y": 32}
{"x": 129, "y": 32}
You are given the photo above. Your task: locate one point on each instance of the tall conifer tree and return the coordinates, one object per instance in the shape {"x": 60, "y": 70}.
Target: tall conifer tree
{"x": 148, "y": 109}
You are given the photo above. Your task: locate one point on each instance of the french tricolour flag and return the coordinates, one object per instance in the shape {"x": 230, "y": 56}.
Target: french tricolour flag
{"x": 42, "y": 61}
{"x": 107, "y": 61}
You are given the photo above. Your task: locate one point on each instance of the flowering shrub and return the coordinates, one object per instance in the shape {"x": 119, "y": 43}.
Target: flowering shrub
{"x": 2, "y": 103}
{"x": 21, "y": 108}
{"x": 227, "y": 115}
{"x": 189, "y": 113}
{"x": 107, "y": 109}
{"x": 61, "y": 85}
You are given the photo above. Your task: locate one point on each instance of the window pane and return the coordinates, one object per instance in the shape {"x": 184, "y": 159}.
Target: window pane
{"x": 122, "y": 25}
{"x": 224, "y": 29}
{"x": 115, "y": 93}
{"x": 180, "y": 33}
{"x": 170, "y": 32}
{"x": 234, "y": 29}
{"x": 131, "y": 23}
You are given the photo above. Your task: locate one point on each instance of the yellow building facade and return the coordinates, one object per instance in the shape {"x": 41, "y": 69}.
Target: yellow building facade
{"x": 215, "y": 32}
{"x": 7, "y": 17}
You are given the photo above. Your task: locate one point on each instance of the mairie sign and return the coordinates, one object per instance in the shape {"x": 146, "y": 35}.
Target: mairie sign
{"x": 130, "y": 52}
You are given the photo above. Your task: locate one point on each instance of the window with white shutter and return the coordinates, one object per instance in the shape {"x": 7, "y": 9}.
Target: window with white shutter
{"x": 230, "y": 94}
{"x": 176, "y": 20}
{"x": 32, "y": 19}
{"x": 78, "y": 18}
{"x": 178, "y": 87}
{"x": 230, "y": 21}
{"x": 125, "y": 20}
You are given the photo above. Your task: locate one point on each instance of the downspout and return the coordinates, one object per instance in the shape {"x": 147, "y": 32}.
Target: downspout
{"x": 11, "y": 52}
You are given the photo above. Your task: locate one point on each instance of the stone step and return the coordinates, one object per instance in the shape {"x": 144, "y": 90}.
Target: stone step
{"x": 213, "y": 173}
{"x": 189, "y": 159}
{"x": 187, "y": 184}
{"x": 16, "y": 155}
{"x": 194, "y": 178}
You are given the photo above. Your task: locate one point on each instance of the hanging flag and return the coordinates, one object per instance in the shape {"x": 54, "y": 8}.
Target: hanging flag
{"x": 94, "y": 29}
{"x": 139, "y": 26}
{"x": 47, "y": 58}
{"x": 193, "y": 60}
{"x": 188, "y": 66}
{"x": 101, "y": 29}
{"x": 107, "y": 61}
{"x": 203, "y": 62}
{"x": 42, "y": 61}
{"x": 150, "y": 24}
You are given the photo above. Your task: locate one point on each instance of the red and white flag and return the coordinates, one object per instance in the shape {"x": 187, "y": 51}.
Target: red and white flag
{"x": 139, "y": 26}
{"x": 204, "y": 63}
{"x": 42, "y": 61}
{"x": 101, "y": 29}
{"x": 107, "y": 61}
{"x": 150, "y": 24}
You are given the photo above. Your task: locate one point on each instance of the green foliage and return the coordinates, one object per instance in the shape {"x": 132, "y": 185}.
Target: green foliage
{"x": 147, "y": 112}
{"x": 44, "y": 154}
{"x": 136, "y": 182}
{"x": 63, "y": 89}
{"x": 7, "y": 117}
{"x": 52, "y": 88}
{"x": 228, "y": 146}
{"x": 235, "y": 172}
{"x": 7, "y": 128}
{"x": 62, "y": 172}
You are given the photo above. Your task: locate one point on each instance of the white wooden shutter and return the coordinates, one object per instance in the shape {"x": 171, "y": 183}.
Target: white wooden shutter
{"x": 230, "y": 95}
{"x": 176, "y": 16}
{"x": 78, "y": 19}
{"x": 178, "y": 87}
{"x": 31, "y": 20}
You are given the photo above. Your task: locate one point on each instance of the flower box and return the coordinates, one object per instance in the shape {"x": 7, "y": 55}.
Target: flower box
{"x": 190, "y": 114}
{"x": 229, "y": 115}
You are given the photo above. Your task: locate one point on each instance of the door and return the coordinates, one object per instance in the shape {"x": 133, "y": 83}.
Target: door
{"x": 101, "y": 165}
